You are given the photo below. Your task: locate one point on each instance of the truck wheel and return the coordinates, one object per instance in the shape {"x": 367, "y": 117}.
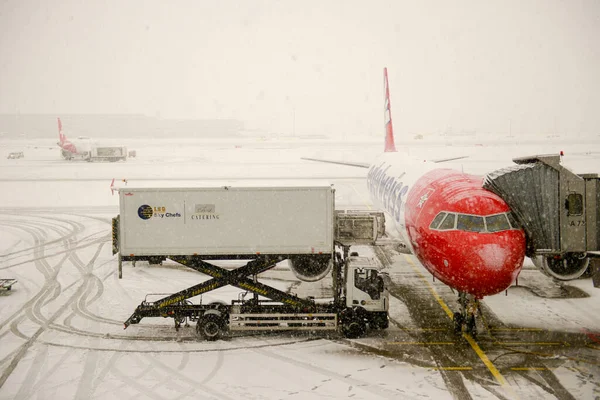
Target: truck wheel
{"x": 471, "y": 326}
{"x": 353, "y": 326}
{"x": 354, "y": 329}
{"x": 458, "y": 322}
{"x": 380, "y": 322}
{"x": 210, "y": 326}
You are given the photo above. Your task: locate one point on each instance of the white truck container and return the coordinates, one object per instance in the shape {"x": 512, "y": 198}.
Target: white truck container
{"x": 108, "y": 153}
{"x": 226, "y": 221}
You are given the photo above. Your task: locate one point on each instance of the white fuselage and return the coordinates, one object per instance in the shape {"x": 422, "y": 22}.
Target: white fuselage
{"x": 389, "y": 182}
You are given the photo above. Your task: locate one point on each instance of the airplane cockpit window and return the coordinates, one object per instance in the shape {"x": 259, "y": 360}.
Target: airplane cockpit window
{"x": 513, "y": 221}
{"x": 448, "y": 222}
{"x": 436, "y": 221}
{"x": 474, "y": 223}
{"x": 497, "y": 223}
{"x": 470, "y": 223}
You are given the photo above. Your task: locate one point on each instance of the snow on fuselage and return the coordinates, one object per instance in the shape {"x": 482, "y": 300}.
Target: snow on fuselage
{"x": 478, "y": 252}
{"x": 76, "y": 148}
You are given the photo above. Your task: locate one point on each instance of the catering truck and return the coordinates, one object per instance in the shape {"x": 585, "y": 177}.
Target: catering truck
{"x": 264, "y": 226}
{"x": 108, "y": 153}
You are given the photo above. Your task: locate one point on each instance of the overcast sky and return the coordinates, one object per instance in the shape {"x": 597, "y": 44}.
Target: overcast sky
{"x": 472, "y": 65}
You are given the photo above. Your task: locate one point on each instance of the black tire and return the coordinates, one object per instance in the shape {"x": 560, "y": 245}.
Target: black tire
{"x": 380, "y": 321}
{"x": 353, "y": 323}
{"x": 458, "y": 322}
{"x": 471, "y": 326}
{"x": 354, "y": 329}
{"x": 210, "y": 327}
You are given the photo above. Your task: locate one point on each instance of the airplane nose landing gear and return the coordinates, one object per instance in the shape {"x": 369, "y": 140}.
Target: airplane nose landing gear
{"x": 465, "y": 319}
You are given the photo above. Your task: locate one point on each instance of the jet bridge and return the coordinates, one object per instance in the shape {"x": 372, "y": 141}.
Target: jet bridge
{"x": 558, "y": 210}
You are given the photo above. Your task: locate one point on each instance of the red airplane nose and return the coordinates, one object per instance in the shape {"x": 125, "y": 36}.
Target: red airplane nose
{"x": 493, "y": 266}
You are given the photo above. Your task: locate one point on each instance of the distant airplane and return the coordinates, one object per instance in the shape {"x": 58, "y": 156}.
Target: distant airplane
{"x": 79, "y": 148}
{"x": 463, "y": 235}
{"x": 83, "y": 148}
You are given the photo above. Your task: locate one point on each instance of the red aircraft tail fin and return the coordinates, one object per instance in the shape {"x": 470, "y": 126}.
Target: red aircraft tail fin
{"x": 389, "y": 130}
{"x": 61, "y": 137}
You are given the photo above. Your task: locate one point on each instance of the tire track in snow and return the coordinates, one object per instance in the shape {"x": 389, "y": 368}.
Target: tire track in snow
{"x": 368, "y": 387}
{"x": 33, "y": 307}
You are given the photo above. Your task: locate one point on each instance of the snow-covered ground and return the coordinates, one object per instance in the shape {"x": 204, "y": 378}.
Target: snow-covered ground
{"x": 61, "y": 326}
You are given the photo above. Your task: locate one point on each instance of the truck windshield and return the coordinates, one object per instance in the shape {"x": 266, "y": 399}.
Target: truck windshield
{"x": 369, "y": 281}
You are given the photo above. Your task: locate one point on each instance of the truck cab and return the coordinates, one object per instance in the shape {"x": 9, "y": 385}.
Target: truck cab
{"x": 366, "y": 296}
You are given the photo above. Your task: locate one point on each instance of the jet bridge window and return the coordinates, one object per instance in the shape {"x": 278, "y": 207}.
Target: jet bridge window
{"x": 470, "y": 223}
{"x": 497, "y": 223}
{"x": 574, "y": 204}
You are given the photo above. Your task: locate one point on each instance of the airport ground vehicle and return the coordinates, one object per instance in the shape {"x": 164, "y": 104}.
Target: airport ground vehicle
{"x": 7, "y": 283}
{"x": 108, "y": 153}
{"x": 263, "y": 226}
{"x": 97, "y": 153}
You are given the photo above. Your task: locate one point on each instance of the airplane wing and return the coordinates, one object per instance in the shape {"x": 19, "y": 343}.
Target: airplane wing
{"x": 441, "y": 160}
{"x": 351, "y": 164}
{"x": 365, "y": 165}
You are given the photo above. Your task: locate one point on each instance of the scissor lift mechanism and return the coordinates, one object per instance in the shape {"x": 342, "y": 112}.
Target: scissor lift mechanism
{"x": 177, "y": 306}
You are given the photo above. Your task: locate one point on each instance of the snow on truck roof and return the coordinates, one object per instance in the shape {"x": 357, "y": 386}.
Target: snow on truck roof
{"x": 221, "y": 187}
{"x": 123, "y": 185}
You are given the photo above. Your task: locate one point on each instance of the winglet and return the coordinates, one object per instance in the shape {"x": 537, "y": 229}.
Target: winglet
{"x": 389, "y": 130}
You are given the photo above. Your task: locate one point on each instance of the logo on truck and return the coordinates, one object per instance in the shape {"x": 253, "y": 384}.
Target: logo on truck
{"x": 205, "y": 211}
{"x": 146, "y": 212}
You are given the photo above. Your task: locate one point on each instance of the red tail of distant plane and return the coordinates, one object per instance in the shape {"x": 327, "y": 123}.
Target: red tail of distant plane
{"x": 68, "y": 148}
{"x": 61, "y": 137}
{"x": 389, "y": 130}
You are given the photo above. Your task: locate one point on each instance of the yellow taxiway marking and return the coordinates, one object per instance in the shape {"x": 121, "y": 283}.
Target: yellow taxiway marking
{"x": 518, "y": 329}
{"x": 484, "y": 358}
{"x": 422, "y": 343}
{"x": 424, "y": 329}
{"x": 431, "y": 288}
{"x": 531, "y": 369}
{"x": 531, "y": 343}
